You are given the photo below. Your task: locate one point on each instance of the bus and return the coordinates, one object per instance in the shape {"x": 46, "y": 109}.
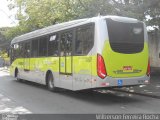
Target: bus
{"x": 91, "y": 53}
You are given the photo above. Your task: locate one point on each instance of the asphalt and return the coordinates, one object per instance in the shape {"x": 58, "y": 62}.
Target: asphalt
{"x": 8, "y": 105}
{"x": 150, "y": 90}
{"x": 35, "y": 98}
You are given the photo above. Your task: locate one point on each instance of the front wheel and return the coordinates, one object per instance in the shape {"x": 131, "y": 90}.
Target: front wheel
{"x": 50, "y": 83}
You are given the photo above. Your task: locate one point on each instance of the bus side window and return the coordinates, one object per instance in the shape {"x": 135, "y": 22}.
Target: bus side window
{"x": 66, "y": 43}
{"x": 21, "y": 48}
{"x": 43, "y": 46}
{"x": 34, "y": 48}
{"x": 27, "y": 49}
{"x": 16, "y": 50}
{"x": 62, "y": 45}
{"x": 53, "y": 45}
{"x": 69, "y": 40}
{"x": 84, "y": 39}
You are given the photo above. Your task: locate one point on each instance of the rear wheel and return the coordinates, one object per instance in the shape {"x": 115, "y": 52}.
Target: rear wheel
{"x": 17, "y": 75}
{"x": 50, "y": 83}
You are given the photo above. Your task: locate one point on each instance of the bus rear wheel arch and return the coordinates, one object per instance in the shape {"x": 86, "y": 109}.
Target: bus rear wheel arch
{"x": 50, "y": 82}
{"x": 16, "y": 73}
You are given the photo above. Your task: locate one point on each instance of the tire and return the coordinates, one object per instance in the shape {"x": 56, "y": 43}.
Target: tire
{"x": 16, "y": 76}
{"x": 50, "y": 83}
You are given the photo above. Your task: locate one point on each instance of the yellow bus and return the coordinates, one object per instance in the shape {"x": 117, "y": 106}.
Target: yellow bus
{"x": 91, "y": 53}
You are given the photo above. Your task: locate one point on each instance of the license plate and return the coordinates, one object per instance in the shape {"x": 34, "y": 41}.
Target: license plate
{"x": 127, "y": 69}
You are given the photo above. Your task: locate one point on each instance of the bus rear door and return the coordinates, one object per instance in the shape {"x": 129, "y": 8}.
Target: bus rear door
{"x": 66, "y": 59}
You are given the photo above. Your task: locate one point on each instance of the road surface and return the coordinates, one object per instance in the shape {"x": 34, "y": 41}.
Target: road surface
{"x": 34, "y": 98}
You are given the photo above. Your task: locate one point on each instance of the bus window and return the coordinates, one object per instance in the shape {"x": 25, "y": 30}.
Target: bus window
{"x": 21, "y": 47}
{"x": 43, "y": 46}
{"x": 62, "y": 45}
{"x": 84, "y": 39}
{"x": 53, "y": 45}
{"x": 126, "y": 38}
{"x": 34, "y": 52}
{"x": 66, "y": 43}
{"x": 16, "y": 50}
{"x": 27, "y": 49}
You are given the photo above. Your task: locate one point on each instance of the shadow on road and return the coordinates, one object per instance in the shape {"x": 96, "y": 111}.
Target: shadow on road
{"x": 155, "y": 71}
{"x": 88, "y": 96}
{"x": 102, "y": 98}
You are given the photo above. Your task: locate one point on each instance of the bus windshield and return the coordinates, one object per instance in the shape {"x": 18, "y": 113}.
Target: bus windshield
{"x": 126, "y": 37}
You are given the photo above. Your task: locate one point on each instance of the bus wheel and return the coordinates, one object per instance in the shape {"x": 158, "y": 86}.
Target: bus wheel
{"x": 16, "y": 75}
{"x": 50, "y": 83}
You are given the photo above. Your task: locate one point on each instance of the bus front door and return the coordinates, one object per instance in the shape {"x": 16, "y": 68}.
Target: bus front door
{"x": 66, "y": 60}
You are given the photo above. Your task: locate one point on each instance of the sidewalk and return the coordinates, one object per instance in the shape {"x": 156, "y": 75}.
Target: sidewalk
{"x": 153, "y": 89}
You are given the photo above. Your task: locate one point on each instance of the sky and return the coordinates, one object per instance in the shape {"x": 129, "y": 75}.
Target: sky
{"x": 7, "y": 17}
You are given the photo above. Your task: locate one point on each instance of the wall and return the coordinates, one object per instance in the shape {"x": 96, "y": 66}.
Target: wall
{"x": 154, "y": 48}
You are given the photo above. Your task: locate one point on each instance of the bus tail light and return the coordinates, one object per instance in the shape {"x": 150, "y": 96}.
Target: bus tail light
{"x": 101, "y": 69}
{"x": 148, "y": 69}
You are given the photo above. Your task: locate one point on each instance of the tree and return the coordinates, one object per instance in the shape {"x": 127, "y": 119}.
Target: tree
{"x": 152, "y": 9}
{"x": 36, "y": 14}
{"x": 3, "y": 41}
{"x": 129, "y": 8}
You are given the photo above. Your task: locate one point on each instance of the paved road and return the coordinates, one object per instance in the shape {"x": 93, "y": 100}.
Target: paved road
{"x": 36, "y": 98}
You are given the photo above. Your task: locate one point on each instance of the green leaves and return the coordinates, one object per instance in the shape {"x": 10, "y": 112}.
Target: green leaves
{"x": 36, "y": 14}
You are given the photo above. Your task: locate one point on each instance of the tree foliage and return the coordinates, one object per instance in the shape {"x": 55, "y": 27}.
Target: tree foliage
{"x": 152, "y": 8}
{"x": 36, "y": 14}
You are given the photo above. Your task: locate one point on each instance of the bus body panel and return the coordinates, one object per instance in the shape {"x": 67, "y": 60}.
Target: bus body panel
{"x": 38, "y": 68}
{"x": 82, "y": 72}
{"x": 115, "y": 62}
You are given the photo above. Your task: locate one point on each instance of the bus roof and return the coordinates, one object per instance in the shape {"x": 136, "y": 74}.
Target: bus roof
{"x": 66, "y": 25}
